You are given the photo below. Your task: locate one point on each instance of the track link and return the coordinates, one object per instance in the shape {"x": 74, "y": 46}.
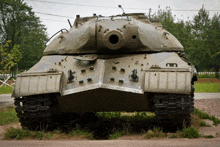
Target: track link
{"x": 173, "y": 110}
{"x": 37, "y": 112}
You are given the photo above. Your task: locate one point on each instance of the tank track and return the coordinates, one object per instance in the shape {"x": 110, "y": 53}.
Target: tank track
{"x": 37, "y": 112}
{"x": 41, "y": 112}
{"x": 173, "y": 110}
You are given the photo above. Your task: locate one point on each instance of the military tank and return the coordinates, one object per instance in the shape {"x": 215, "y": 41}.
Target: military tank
{"x": 115, "y": 63}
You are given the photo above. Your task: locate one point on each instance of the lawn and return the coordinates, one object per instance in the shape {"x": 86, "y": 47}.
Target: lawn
{"x": 207, "y": 87}
{"x": 6, "y": 90}
{"x": 8, "y": 115}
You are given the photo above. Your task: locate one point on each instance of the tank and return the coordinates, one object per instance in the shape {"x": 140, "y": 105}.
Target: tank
{"x": 115, "y": 63}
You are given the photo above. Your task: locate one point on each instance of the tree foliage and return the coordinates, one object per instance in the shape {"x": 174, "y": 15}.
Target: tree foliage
{"x": 9, "y": 58}
{"x": 19, "y": 24}
{"x": 199, "y": 37}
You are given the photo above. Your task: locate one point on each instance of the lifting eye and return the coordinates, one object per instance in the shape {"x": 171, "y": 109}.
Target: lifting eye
{"x": 134, "y": 37}
{"x": 113, "y": 39}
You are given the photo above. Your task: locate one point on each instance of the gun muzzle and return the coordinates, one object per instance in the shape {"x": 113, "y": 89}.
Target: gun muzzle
{"x": 114, "y": 40}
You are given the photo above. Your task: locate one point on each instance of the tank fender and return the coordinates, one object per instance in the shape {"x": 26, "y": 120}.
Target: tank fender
{"x": 176, "y": 81}
{"x": 33, "y": 83}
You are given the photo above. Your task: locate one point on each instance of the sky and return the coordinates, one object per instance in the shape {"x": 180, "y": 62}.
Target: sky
{"x": 69, "y": 10}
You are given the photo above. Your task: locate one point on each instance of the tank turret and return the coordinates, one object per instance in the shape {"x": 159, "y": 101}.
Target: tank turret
{"x": 132, "y": 33}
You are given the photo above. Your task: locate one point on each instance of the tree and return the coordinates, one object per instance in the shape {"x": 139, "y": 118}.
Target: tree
{"x": 206, "y": 32}
{"x": 199, "y": 37}
{"x": 9, "y": 58}
{"x": 19, "y": 24}
{"x": 214, "y": 42}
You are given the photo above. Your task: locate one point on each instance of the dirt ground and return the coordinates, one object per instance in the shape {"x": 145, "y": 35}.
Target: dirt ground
{"x": 211, "y": 106}
{"x": 3, "y": 128}
{"x": 209, "y": 80}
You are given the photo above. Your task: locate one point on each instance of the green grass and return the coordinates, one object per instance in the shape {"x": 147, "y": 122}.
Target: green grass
{"x": 19, "y": 134}
{"x": 156, "y": 132}
{"x": 79, "y": 132}
{"x": 13, "y": 133}
{"x": 207, "y": 87}
{"x": 173, "y": 136}
{"x": 135, "y": 116}
{"x": 190, "y": 132}
{"x": 204, "y": 115}
{"x": 7, "y": 116}
{"x": 203, "y": 124}
{"x": 208, "y": 136}
{"x": 115, "y": 135}
{"x": 207, "y": 76}
{"x": 6, "y": 90}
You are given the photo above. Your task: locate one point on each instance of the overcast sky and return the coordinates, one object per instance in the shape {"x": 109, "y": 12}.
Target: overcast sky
{"x": 110, "y": 7}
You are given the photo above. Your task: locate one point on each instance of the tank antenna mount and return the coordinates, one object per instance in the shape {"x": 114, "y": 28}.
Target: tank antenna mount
{"x": 69, "y": 23}
{"x": 122, "y": 9}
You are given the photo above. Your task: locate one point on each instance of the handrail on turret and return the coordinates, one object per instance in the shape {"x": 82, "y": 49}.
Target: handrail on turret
{"x": 57, "y": 33}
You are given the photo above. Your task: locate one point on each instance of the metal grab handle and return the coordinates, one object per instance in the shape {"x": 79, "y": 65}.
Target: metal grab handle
{"x": 57, "y": 33}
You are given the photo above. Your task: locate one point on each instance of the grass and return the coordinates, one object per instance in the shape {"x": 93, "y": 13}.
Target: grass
{"x": 204, "y": 115}
{"x": 208, "y": 136}
{"x": 126, "y": 116}
{"x": 13, "y": 133}
{"x": 190, "y": 132}
{"x": 173, "y": 136}
{"x": 115, "y": 135}
{"x": 79, "y": 132}
{"x": 6, "y": 90}
{"x": 203, "y": 124}
{"x": 116, "y": 124}
{"x": 207, "y": 76}
{"x": 207, "y": 87}
{"x": 156, "y": 132}
{"x": 19, "y": 134}
{"x": 8, "y": 115}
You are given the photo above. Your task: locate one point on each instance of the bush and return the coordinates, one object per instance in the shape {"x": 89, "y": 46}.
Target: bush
{"x": 190, "y": 132}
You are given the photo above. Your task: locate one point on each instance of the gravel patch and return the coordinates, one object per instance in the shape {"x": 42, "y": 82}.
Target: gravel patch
{"x": 210, "y": 106}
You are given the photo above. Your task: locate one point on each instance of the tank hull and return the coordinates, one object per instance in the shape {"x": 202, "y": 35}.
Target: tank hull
{"x": 93, "y": 83}
{"x": 104, "y": 100}
{"x": 139, "y": 73}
